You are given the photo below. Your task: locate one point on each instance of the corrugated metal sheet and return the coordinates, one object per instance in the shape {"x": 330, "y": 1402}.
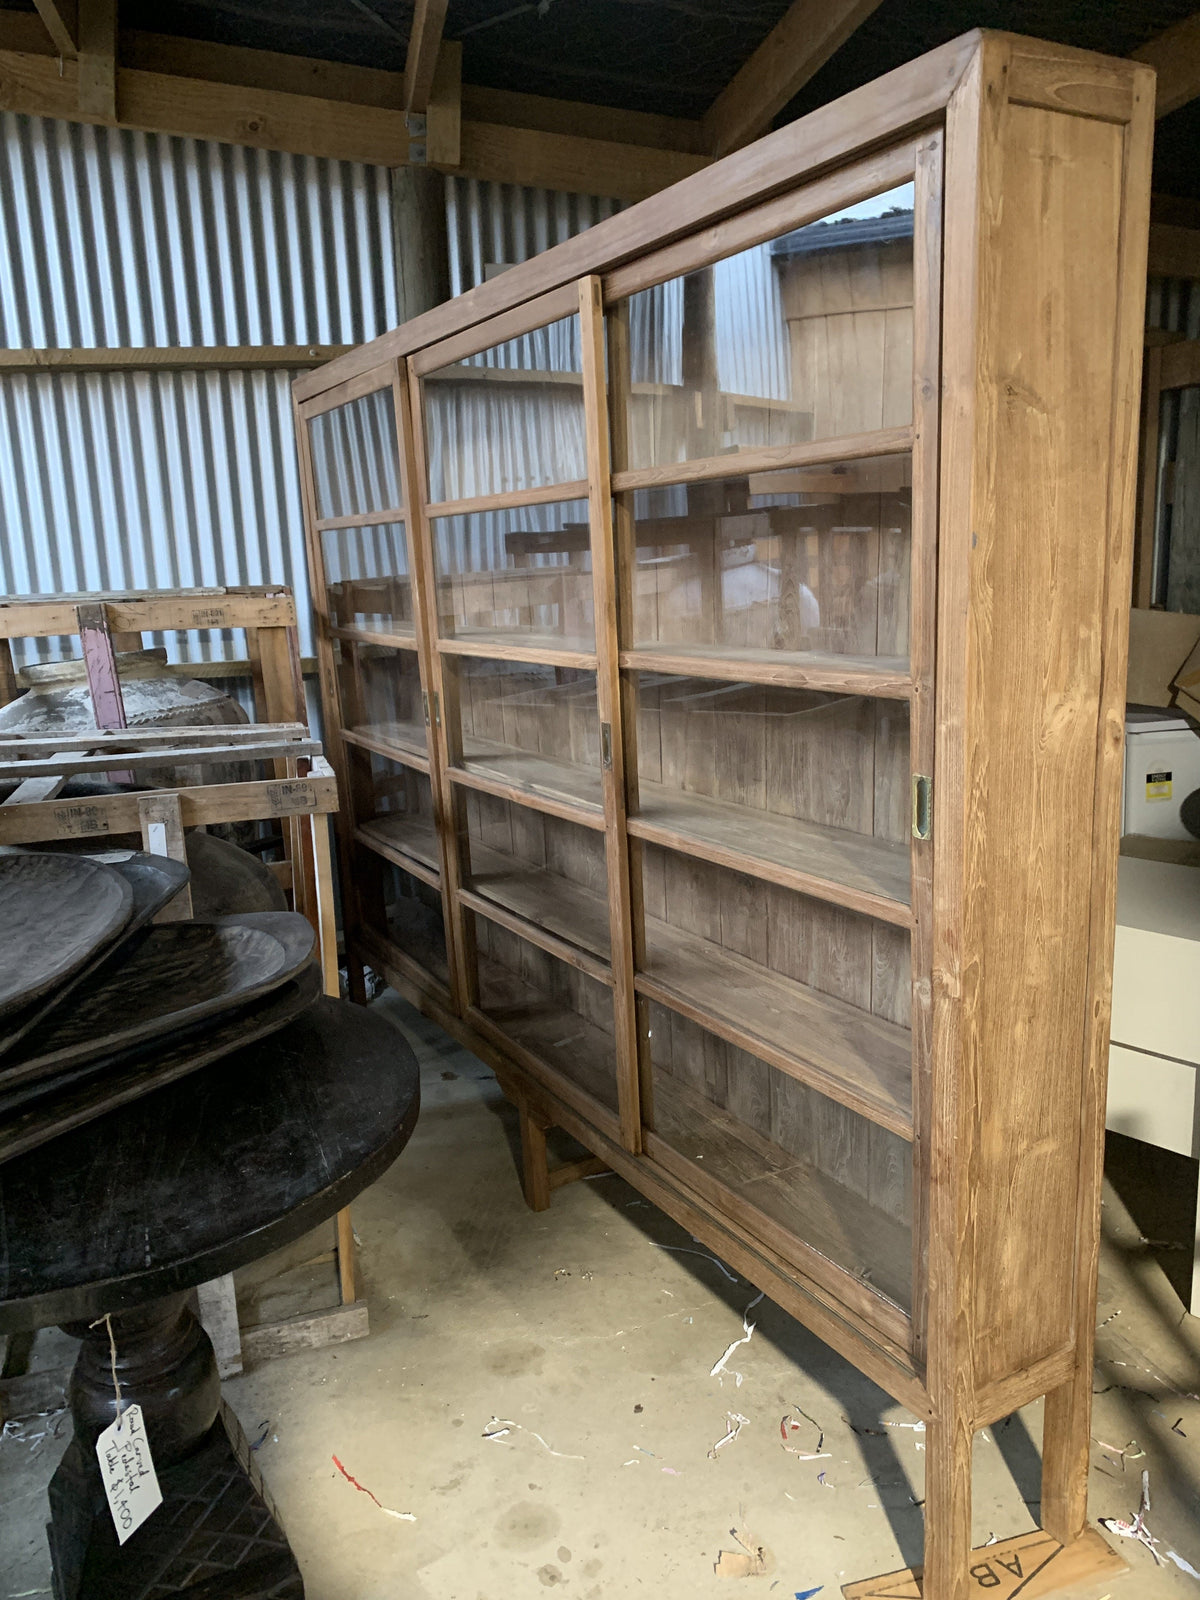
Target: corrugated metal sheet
{"x": 113, "y": 238}
{"x": 118, "y": 238}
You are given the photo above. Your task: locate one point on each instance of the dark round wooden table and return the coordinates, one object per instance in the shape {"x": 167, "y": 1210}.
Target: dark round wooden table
{"x": 121, "y": 1219}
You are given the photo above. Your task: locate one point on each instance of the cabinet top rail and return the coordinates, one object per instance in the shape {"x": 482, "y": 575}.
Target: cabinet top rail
{"x": 901, "y": 102}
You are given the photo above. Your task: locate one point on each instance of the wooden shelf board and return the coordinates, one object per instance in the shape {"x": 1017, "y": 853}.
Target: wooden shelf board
{"x": 797, "y": 1201}
{"x": 408, "y": 841}
{"x": 564, "y": 788}
{"x": 494, "y": 904}
{"x": 396, "y": 741}
{"x": 393, "y": 641}
{"x": 381, "y": 953}
{"x": 569, "y": 1045}
{"x": 543, "y": 649}
{"x": 858, "y": 1059}
{"x": 885, "y": 677}
{"x": 855, "y": 1058}
{"x": 851, "y": 869}
{"x": 541, "y": 900}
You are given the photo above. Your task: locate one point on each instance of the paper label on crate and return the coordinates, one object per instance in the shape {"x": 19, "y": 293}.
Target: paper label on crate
{"x": 1158, "y": 785}
{"x": 127, "y": 1470}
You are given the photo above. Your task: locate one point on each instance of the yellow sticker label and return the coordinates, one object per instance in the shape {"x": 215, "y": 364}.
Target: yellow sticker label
{"x": 1158, "y": 785}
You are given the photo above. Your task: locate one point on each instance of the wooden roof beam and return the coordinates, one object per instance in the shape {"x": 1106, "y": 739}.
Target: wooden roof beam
{"x": 98, "y": 59}
{"x": 424, "y": 43}
{"x": 1175, "y": 56}
{"x": 308, "y": 107}
{"x": 799, "y": 44}
{"x": 62, "y": 24}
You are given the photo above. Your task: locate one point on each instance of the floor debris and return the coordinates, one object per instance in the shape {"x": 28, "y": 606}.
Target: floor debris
{"x": 736, "y": 1422}
{"x": 748, "y": 1562}
{"x": 682, "y": 1250}
{"x": 500, "y": 1428}
{"x": 748, "y": 1328}
{"x": 1136, "y": 1529}
{"x": 788, "y": 1425}
{"x": 1184, "y": 1566}
{"x": 400, "y": 1516}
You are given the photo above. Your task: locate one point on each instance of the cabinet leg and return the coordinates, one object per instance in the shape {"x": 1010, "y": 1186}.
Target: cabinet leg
{"x": 356, "y": 978}
{"x": 534, "y": 1163}
{"x": 947, "y": 1511}
{"x": 345, "y": 1257}
{"x": 1066, "y": 1433}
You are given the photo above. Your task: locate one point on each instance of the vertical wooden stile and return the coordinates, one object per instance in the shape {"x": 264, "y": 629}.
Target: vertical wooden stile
{"x": 1147, "y": 499}
{"x": 335, "y": 746}
{"x": 444, "y": 732}
{"x": 1066, "y": 1429}
{"x": 952, "y": 1092}
{"x": 620, "y": 388}
{"x": 927, "y": 315}
{"x": 609, "y": 702}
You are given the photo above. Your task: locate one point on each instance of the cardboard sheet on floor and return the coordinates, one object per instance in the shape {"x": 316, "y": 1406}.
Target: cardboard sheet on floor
{"x": 1033, "y": 1566}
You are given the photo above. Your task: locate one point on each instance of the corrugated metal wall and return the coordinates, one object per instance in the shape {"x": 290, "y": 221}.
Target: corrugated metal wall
{"x": 113, "y": 238}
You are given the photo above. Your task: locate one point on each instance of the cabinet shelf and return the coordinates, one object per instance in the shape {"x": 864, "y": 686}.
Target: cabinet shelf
{"x": 851, "y": 869}
{"x": 857, "y": 1059}
{"x": 393, "y": 641}
{"x": 885, "y": 677}
{"x": 398, "y": 741}
{"x": 707, "y": 1147}
{"x": 860, "y": 1060}
{"x": 543, "y": 649}
{"x": 408, "y": 840}
{"x": 564, "y": 788}
{"x": 563, "y": 1040}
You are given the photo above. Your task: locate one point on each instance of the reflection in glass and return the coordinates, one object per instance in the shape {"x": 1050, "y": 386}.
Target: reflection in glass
{"x": 531, "y": 726}
{"x": 828, "y": 1177}
{"x": 803, "y": 559}
{"x": 520, "y": 576}
{"x": 367, "y": 581}
{"x": 808, "y": 336}
{"x": 509, "y": 418}
{"x": 381, "y": 694}
{"x": 354, "y": 453}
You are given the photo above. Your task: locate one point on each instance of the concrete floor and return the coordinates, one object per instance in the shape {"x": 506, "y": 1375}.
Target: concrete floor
{"x": 591, "y": 1331}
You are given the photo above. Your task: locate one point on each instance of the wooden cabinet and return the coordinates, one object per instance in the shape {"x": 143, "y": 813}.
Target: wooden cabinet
{"x": 722, "y": 630}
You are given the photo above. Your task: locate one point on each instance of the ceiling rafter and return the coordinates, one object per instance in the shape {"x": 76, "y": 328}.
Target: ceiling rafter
{"x": 799, "y": 44}
{"x": 1175, "y": 56}
{"x": 424, "y": 42}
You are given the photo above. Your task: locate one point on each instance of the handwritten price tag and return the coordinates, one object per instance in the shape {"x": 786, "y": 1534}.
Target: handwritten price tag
{"x": 126, "y": 1466}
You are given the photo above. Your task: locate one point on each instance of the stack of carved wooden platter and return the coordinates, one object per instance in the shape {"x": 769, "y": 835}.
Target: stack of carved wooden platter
{"x": 99, "y": 1005}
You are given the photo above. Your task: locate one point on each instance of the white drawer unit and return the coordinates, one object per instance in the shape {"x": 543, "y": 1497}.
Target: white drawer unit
{"x": 1154, "y": 1054}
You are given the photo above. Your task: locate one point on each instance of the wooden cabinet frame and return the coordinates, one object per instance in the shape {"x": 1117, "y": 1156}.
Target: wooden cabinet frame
{"x": 1030, "y": 173}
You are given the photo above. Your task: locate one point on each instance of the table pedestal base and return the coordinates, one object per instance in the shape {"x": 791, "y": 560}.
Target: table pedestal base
{"x": 216, "y": 1535}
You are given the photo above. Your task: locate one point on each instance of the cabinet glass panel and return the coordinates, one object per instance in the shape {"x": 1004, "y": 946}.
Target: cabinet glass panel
{"x": 541, "y": 868}
{"x": 761, "y": 1139}
{"x": 380, "y": 690}
{"x": 405, "y": 911}
{"x": 559, "y": 1014}
{"x": 802, "y": 784}
{"x": 521, "y": 576}
{"x": 819, "y": 990}
{"x": 531, "y": 726}
{"x": 509, "y": 418}
{"x": 356, "y": 466}
{"x": 367, "y": 578}
{"x": 808, "y": 336}
{"x": 808, "y": 562}
{"x": 394, "y": 811}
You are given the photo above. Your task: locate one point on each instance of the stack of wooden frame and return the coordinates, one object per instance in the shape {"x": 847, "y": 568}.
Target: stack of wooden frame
{"x": 300, "y": 795}
{"x": 722, "y": 638}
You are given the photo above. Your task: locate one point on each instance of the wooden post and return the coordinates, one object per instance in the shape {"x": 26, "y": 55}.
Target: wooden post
{"x": 162, "y": 835}
{"x": 535, "y": 1168}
